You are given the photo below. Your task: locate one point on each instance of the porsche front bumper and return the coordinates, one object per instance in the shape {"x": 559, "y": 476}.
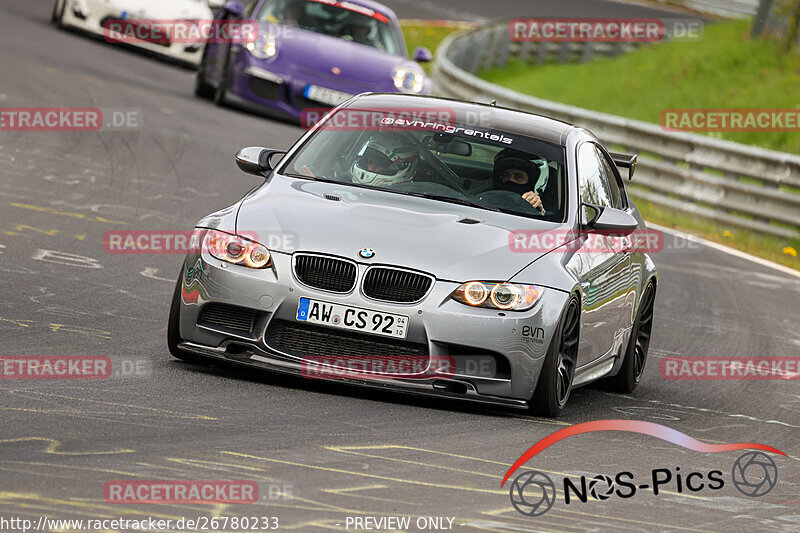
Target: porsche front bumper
{"x": 90, "y": 15}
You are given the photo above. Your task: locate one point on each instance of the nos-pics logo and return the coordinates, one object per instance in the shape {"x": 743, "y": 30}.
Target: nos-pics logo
{"x": 533, "y": 493}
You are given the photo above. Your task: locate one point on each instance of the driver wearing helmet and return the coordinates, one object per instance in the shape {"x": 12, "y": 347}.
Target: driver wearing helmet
{"x": 359, "y": 30}
{"x": 385, "y": 160}
{"x": 520, "y": 173}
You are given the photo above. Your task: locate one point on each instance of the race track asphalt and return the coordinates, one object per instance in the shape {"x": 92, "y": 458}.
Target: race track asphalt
{"x": 326, "y": 451}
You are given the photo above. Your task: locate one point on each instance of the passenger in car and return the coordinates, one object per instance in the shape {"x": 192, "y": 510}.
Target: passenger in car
{"x": 524, "y": 174}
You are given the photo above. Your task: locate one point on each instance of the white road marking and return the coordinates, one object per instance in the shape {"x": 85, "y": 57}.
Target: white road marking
{"x": 63, "y": 258}
{"x": 727, "y": 250}
{"x": 150, "y": 272}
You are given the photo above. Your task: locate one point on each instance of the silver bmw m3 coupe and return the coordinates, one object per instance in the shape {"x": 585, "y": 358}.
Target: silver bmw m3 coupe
{"x": 430, "y": 246}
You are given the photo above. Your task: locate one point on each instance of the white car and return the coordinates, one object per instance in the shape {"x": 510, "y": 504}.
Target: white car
{"x": 91, "y": 15}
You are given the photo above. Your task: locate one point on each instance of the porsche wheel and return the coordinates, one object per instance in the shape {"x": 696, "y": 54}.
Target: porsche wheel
{"x": 202, "y": 89}
{"x": 224, "y": 81}
{"x": 636, "y": 355}
{"x": 57, "y": 17}
{"x": 555, "y": 380}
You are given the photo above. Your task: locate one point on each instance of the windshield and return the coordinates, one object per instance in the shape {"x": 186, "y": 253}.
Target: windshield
{"x": 457, "y": 163}
{"x": 344, "y": 20}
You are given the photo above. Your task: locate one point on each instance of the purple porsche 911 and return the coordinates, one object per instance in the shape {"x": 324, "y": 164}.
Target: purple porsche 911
{"x": 309, "y": 54}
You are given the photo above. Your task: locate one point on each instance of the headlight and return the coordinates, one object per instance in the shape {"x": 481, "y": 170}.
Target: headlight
{"x": 237, "y": 250}
{"x": 504, "y": 296}
{"x": 408, "y": 80}
{"x": 264, "y": 47}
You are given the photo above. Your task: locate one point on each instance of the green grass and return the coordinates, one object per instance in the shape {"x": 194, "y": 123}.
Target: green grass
{"x": 427, "y": 35}
{"x": 724, "y": 69}
{"x": 771, "y": 248}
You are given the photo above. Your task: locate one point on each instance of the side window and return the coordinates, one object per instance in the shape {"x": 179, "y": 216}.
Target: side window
{"x": 592, "y": 177}
{"x": 617, "y": 199}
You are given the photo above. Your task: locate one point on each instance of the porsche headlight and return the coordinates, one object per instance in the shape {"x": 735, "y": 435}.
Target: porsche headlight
{"x": 408, "y": 80}
{"x": 264, "y": 47}
{"x": 237, "y": 250}
{"x": 503, "y": 296}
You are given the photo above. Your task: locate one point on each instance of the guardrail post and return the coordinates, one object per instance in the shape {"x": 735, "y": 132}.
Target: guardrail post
{"x": 764, "y": 9}
{"x": 478, "y": 42}
{"x": 541, "y": 52}
{"x": 505, "y": 46}
{"x": 563, "y": 52}
{"x": 524, "y": 50}
{"x": 490, "y": 55}
{"x": 588, "y": 52}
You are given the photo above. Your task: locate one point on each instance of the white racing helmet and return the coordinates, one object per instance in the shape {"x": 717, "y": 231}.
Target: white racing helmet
{"x": 386, "y": 159}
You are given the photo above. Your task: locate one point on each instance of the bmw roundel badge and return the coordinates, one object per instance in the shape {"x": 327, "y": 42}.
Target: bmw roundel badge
{"x": 367, "y": 253}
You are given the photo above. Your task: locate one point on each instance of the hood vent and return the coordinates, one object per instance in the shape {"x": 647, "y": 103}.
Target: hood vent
{"x": 469, "y": 220}
{"x": 333, "y": 197}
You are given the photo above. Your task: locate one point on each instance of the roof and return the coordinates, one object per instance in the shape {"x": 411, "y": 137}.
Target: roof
{"x": 375, "y": 6}
{"x": 480, "y": 115}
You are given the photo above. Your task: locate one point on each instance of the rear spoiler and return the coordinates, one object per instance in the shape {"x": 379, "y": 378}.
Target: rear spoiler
{"x": 626, "y": 161}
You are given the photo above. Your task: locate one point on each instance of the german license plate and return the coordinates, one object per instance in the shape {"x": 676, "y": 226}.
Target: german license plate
{"x": 352, "y": 318}
{"x": 325, "y": 95}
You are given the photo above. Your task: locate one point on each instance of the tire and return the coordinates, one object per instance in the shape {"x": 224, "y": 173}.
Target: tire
{"x": 224, "y": 81}
{"x": 555, "y": 379}
{"x": 173, "y": 329}
{"x": 630, "y": 374}
{"x": 201, "y": 87}
{"x": 57, "y": 17}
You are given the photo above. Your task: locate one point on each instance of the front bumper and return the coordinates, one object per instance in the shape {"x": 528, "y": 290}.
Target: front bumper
{"x": 90, "y": 15}
{"x": 273, "y": 86}
{"x": 498, "y": 356}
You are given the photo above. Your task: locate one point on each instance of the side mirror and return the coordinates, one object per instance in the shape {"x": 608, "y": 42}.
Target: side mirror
{"x": 422, "y": 55}
{"x": 608, "y": 219}
{"x": 256, "y": 160}
{"x": 626, "y": 161}
{"x": 235, "y": 8}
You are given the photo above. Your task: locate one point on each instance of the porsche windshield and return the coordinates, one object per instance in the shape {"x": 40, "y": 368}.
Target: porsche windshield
{"x": 345, "y": 20}
{"x": 458, "y": 163}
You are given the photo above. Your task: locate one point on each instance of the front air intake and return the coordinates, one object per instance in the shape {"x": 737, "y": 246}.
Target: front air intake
{"x": 228, "y": 317}
{"x": 325, "y": 273}
{"x": 396, "y": 285}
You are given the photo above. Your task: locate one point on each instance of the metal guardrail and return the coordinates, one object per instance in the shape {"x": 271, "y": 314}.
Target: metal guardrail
{"x": 726, "y": 182}
{"x": 725, "y": 8}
